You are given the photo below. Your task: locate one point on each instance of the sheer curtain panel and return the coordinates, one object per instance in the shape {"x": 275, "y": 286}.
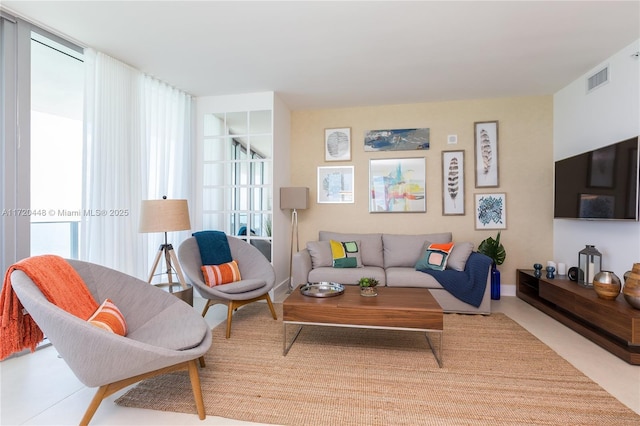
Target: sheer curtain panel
{"x": 137, "y": 144}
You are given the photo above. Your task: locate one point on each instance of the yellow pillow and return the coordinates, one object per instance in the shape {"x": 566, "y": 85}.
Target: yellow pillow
{"x": 346, "y": 254}
{"x": 108, "y": 317}
{"x": 221, "y": 274}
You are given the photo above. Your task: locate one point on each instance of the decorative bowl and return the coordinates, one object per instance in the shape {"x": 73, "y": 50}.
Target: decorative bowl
{"x": 607, "y": 285}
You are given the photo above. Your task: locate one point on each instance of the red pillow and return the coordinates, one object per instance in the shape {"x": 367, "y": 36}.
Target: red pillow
{"x": 221, "y": 274}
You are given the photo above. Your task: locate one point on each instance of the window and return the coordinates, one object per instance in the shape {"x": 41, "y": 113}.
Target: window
{"x": 57, "y": 87}
{"x": 237, "y": 190}
{"x": 40, "y": 139}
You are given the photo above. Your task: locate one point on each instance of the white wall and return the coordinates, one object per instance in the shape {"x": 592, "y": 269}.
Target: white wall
{"x": 582, "y": 122}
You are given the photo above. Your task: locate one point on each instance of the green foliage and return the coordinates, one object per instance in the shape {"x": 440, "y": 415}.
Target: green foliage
{"x": 368, "y": 282}
{"x": 492, "y": 248}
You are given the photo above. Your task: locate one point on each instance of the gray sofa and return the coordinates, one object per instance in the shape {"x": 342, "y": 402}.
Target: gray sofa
{"x": 391, "y": 259}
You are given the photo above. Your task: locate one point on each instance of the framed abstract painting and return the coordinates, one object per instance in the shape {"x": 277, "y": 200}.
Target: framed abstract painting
{"x": 397, "y": 185}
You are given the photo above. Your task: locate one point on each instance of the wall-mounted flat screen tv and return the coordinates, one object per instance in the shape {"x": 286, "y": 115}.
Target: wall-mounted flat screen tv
{"x": 600, "y": 184}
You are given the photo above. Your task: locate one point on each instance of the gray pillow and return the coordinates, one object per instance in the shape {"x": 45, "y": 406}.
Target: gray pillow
{"x": 320, "y": 252}
{"x": 459, "y": 255}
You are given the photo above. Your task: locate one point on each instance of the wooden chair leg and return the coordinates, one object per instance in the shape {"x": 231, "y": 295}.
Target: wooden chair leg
{"x": 101, "y": 393}
{"x": 201, "y": 360}
{"x": 230, "y": 309}
{"x": 197, "y": 390}
{"x": 206, "y": 307}
{"x": 273, "y": 311}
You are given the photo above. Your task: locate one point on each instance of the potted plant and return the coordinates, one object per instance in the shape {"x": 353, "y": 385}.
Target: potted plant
{"x": 368, "y": 286}
{"x": 491, "y": 247}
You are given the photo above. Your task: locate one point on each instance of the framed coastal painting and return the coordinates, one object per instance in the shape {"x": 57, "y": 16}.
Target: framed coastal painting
{"x": 486, "y": 154}
{"x": 396, "y": 140}
{"x": 335, "y": 184}
{"x": 337, "y": 144}
{"x": 491, "y": 211}
{"x": 397, "y": 185}
{"x": 453, "y": 183}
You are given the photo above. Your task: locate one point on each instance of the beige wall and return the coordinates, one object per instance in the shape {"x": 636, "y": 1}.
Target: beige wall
{"x": 525, "y": 167}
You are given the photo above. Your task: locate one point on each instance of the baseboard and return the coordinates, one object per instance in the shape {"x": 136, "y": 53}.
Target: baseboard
{"x": 280, "y": 291}
{"x": 508, "y": 290}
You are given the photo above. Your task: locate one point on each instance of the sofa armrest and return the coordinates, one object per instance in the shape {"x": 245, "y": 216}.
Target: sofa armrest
{"x": 301, "y": 266}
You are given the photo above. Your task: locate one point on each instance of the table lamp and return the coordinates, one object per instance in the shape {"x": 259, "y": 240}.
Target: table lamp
{"x": 294, "y": 198}
{"x": 165, "y": 216}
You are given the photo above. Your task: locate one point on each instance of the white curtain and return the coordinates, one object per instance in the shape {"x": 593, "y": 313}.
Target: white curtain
{"x": 137, "y": 138}
{"x": 166, "y": 136}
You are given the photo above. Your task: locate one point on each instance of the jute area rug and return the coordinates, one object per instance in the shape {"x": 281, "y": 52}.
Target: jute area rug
{"x": 495, "y": 373}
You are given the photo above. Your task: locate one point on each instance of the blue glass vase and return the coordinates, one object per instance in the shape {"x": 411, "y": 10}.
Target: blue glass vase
{"x": 495, "y": 282}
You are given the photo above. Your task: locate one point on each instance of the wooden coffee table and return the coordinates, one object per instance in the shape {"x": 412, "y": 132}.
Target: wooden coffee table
{"x": 395, "y": 308}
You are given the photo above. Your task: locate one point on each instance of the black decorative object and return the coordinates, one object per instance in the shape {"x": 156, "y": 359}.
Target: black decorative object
{"x": 538, "y": 270}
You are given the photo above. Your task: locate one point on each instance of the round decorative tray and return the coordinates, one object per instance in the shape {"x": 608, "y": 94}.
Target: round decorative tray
{"x": 322, "y": 289}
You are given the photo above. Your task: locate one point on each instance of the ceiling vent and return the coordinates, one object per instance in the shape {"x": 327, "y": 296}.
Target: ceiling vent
{"x": 598, "y": 79}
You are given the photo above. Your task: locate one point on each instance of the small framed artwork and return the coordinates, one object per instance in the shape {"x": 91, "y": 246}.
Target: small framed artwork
{"x": 396, "y": 139}
{"x": 452, "y": 183}
{"x": 486, "y": 154}
{"x": 337, "y": 144}
{"x": 335, "y": 184}
{"x": 397, "y": 185}
{"x": 491, "y": 211}
{"x": 601, "y": 168}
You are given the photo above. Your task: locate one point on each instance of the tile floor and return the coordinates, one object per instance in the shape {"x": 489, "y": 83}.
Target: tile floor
{"x": 39, "y": 389}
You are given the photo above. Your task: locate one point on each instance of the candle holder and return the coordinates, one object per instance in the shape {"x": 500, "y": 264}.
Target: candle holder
{"x": 589, "y": 264}
{"x": 538, "y": 270}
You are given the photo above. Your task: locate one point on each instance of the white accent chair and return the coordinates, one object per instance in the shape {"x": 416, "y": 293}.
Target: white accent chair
{"x": 164, "y": 333}
{"x": 258, "y": 277}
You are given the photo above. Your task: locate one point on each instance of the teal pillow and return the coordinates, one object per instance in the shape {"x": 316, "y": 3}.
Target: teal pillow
{"x": 435, "y": 257}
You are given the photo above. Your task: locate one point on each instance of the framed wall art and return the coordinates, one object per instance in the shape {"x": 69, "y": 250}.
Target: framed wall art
{"x": 396, "y": 140}
{"x": 397, "y": 185}
{"x": 491, "y": 211}
{"x": 337, "y": 144}
{"x": 453, "y": 183}
{"x": 486, "y": 154}
{"x": 335, "y": 184}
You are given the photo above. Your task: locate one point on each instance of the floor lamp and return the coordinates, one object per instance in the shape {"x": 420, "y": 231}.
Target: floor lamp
{"x": 165, "y": 216}
{"x": 294, "y": 198}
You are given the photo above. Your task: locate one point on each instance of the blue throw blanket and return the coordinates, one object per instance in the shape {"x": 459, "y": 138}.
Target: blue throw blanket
{"x": 214, "y": 247}
{"x": 467, "y": 285}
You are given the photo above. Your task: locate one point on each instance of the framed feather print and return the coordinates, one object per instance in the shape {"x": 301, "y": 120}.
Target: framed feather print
{"x": 452, "y": 183}
{"x": 486, "y": 154}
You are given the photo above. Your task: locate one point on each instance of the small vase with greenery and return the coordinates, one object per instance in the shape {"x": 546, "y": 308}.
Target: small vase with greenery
{"x": 368, "y": 286}
{"x": 492, "y": 248}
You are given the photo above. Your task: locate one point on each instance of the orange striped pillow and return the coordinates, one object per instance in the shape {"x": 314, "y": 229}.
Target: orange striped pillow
{"x": 221, "y": 274}
{"x": 108, "y": 317}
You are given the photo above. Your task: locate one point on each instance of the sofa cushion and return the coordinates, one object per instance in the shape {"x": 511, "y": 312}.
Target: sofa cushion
{"x": 346, "y": 254}
{"x": 435, "y": 257}
{"x": 371, "y": 245}
{"x": 409, "y": 277}
{"x": 320, "y": 252}
{"x": 348, "y": 276}
{"x": 459, "y": 256}
{"x": 406, "y": 250}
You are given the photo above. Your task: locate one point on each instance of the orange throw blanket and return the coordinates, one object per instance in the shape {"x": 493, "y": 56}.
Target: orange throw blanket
{"x": 60, "y": 284}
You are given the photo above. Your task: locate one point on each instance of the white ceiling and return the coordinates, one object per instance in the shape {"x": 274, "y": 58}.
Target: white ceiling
{"x": 339, "y": 54}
